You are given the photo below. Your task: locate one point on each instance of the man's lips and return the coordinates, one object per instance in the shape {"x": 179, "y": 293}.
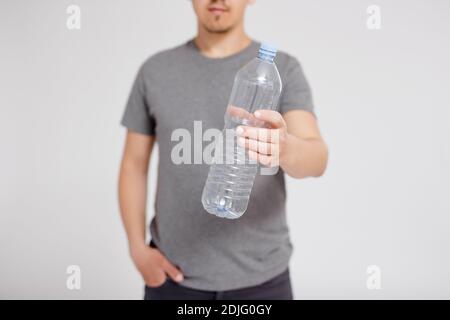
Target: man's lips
{"x": 216, "y": 10}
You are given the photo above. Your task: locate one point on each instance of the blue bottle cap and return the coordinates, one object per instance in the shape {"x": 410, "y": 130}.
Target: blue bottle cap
{"x": 267, "y": 50}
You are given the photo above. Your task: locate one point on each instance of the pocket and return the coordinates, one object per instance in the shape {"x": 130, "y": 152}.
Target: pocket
{"x": 158, "y": 292}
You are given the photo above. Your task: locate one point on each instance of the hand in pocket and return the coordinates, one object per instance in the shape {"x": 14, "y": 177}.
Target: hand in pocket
{"x": 154, "y": 266}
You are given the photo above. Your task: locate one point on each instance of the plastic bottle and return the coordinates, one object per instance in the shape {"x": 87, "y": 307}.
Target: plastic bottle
{"x": 257, "y": 85}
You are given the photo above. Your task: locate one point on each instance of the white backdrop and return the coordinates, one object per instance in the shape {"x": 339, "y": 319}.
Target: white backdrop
{"x": 381, "y": 96}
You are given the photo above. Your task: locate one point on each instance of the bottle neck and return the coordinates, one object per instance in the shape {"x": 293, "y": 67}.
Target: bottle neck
{"x": 266, "y": 57}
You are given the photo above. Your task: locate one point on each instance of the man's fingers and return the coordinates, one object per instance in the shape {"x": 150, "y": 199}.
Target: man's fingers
{"x": 173, "y": 272}
{"x": 265, "y": 160}
{"x": 274, "y": 118}
{"x": 258, "y": 146}
{"x": 241, "y": 115}
{"x": 260, "y": 134}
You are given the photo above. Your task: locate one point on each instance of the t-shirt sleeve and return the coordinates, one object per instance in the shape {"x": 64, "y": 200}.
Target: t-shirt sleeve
{"x": 137, "y": 116}
{"x": 296, "y": 93}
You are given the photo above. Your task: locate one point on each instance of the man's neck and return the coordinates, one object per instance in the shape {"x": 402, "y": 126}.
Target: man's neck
{"x": 220, "y": 45}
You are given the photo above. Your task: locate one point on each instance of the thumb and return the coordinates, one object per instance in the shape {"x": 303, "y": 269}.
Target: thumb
{"x": 274, "y": 118}
{"x": 173, "y": 272}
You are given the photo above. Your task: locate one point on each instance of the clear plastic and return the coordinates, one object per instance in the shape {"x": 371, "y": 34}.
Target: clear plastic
{"x": 231, "y": 176}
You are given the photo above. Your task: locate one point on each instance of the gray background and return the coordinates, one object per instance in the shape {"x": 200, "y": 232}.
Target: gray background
{"x": 382, "y": 100}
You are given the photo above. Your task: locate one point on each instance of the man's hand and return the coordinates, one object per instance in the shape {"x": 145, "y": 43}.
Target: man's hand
{"x": 154, "y": 266}
{"x": 265, "y": 145}
{"x": 292, "y": 141}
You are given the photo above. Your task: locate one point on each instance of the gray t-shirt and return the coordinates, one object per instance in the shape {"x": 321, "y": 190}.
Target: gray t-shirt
{"x": 173, "y": 89}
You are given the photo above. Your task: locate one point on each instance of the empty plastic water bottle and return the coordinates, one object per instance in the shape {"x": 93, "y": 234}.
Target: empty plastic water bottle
{"x": 231, "y": 175}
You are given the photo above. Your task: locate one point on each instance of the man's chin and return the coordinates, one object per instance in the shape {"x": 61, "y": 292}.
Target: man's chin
{"x": 218, "y": 29}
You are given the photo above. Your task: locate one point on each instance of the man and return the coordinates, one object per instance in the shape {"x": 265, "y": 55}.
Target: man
{"x": 193, "y": 254}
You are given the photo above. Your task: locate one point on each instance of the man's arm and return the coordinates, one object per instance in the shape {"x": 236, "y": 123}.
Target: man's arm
{"x": 133, "y": 186}
{"x": 306, "y": 153}
{"x": 293, "y": 141}
{"x": 133, "y": 201}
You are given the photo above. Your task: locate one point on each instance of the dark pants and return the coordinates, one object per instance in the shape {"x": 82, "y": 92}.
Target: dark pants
{"x": 277, "y": 288}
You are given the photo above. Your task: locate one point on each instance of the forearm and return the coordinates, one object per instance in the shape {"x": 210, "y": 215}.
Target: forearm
{"x": 304, "y": 157}
{"x": 133, "y": 201}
